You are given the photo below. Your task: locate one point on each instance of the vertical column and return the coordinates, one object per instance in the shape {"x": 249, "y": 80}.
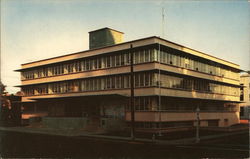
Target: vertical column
{"x": 132, "y": 106}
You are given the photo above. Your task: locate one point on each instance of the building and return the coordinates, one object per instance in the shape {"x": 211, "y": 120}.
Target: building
{"x": 245, "y": 96}
{"x": 91, "y": 89}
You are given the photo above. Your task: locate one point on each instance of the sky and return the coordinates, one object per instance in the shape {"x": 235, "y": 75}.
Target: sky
{"x": 37, "y": 29}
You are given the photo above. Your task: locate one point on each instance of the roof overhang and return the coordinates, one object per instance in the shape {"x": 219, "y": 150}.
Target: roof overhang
{"x": 95, "y": 97}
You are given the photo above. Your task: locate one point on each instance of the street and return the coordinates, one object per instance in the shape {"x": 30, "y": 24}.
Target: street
{"x": 34, "y": 145}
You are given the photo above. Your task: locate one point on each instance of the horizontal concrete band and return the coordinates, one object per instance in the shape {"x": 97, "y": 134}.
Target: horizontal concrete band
{"x": 151, "y": 91}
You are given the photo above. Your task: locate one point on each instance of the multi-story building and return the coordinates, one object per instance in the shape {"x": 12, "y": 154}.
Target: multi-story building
{"x": 93, "y": 87}
{"x": 245, "y": 96}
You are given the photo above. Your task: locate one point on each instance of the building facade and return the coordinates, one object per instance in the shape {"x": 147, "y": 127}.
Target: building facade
{"x": 170, "y": 82}
{"x": 245, "y": 96}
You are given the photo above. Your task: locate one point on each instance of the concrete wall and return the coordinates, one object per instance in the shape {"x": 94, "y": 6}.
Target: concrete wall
{"x": 112, "y": 124}
{"x": 151, "y": 91}
{"x": 245, "y": 107}
{"x": 64, "y": 122}
{"x": 246, "y": 113}
{"x": 225, "y": 118}
{"x": 108, "y": 124}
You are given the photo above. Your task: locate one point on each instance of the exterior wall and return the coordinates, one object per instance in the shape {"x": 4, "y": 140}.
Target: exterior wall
{"x": 87, "y": 74}
{"x": 196, "y": 74}
{"x": 113, "y": 110}
{"x": 245, "y": 106}
{"x": 112, "y": 115}
{"x": 194, "y": 52}
{"x": 126, "y": 69}
{"x": 233, "y": 117}
{"x": 112, "y": 124}
{"x": 245, "y": 81}
{"x": 141, "y": 92}
{"x": 117, "y": 36}
{"x": 107, "y": 124}
{"x": 64, "y": 123}
{"x": 245, "y": 112}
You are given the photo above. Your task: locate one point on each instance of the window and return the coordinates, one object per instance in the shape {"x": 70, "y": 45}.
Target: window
{"x": 112, "y": 61}
{"x": 87, "y": 64}
{"x": 118, "y": 60}
{"x": 99, "y": 63}
{"x": 213, "y": 123}
{"x": 241, "y": 92}
{"x": 137, "y": 80}
{"x": 108, "y": 61}
{"x": 136, "y": 57}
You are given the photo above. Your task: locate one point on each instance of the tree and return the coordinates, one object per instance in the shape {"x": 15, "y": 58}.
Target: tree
{"x": 5, "y": 103}
{"x": 2, "y": 89}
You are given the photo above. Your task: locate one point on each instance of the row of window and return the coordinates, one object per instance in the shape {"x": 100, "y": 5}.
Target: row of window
{"x": 145, "y": 125}
{"x": 120, "y": 59}
{"x": 145, "y": 79}
{"x": 186, "y": 62}
{"x": 196, "y": 84}
{"x": 174, "y": 124}
{"x": 167, "y": 104}
{"x": 123, "y": 59}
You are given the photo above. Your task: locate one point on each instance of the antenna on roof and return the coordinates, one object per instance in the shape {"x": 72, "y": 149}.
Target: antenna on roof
{"x": 163, "y": 21}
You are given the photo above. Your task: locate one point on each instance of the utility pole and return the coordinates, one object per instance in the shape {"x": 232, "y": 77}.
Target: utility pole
{"x": 197, "y": 125}
{"x": 132, "y": 106}
{"x": 159, "y": 86}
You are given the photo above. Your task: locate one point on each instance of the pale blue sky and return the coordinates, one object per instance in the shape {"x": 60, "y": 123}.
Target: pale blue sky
{"x": 37, "y": 29}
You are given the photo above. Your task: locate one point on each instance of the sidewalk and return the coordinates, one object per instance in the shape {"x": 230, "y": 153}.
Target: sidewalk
{"x": 82, "y": 133}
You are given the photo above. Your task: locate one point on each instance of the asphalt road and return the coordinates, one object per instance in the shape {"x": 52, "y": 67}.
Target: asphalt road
{"x": 16, "y": 145}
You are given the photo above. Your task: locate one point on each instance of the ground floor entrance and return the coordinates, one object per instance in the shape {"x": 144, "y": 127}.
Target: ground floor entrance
{"x": 113, "y": 112}
{"x": 90, "y": 113}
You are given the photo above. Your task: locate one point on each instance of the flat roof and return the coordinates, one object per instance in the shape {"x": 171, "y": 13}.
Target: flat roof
{"x": 152, "y": 37}
{"x": 106, "y": 28}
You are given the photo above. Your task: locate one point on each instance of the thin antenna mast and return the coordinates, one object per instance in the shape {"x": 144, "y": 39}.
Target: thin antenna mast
{"x": 163, "y": 21}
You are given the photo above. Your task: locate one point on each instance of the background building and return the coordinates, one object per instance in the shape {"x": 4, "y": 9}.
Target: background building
{"x": 91, "y": 89}
{"x": 245, "y": 96}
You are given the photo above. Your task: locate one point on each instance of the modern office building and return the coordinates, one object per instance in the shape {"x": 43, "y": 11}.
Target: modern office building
{"x": 245, "y": 96}
{"x": 91, "y": 89}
